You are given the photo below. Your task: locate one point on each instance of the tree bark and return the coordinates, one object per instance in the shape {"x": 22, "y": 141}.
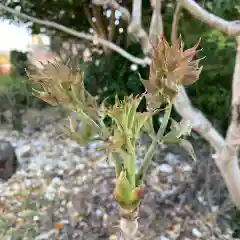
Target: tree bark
{"x": 227, "y": 161}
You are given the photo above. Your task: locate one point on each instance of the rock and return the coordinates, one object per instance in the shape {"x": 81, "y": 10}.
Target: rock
{"x": 46, "y": 235}
{"x": 196, "y": 233}
{"x": 187, "y": 168}
{"x": 171, "y": 158}
{"x": 24, "y": 151}
{"x": 8, "y": 160}
{"x": 165, "y": 168}
{"x": 163, "y": 238}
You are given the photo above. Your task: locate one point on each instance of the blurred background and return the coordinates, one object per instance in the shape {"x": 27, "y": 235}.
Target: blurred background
{"x": 106, "y": 72}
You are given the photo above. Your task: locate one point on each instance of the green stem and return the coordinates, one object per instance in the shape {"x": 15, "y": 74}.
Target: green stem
{"x": 93, "y": 123}
{"x": 130, "y": 163}
{"x": 149, "y": 155}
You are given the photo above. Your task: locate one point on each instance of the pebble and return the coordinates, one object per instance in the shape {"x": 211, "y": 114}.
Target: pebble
{"x": 187, "y": 168}
{"x": 163, "y": 238}
{"x": 48, "y": 156}
{"x": 23, "y": 151}
{"x": 171, "y": 158}
{"x": 165, "y": 168}
{"x": 196, "y": 233}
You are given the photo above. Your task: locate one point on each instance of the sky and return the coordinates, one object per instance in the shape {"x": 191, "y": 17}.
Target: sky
{"x": 14, "y": 37}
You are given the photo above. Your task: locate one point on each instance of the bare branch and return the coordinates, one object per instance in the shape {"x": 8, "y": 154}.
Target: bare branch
{"x": 135, "y": 27}
{"x": 114, "y": 47}
{"x": 227, "y": 161}
{"x": 212, "y": 20}
{"x": 135, "y": 23}
{"x": 156, "y": 26}
{"x": 199, "y": 122}
{"x": 137, "y": 12}
{"x": 175, "y": 22}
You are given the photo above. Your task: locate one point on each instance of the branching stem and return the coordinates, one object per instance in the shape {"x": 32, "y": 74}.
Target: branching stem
{"x": 149, "y": 155}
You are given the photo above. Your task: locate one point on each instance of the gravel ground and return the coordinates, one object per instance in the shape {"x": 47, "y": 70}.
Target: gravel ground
{"x": 61, "y": 192}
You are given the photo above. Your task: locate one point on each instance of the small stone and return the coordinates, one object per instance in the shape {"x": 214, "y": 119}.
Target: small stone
{"x": 163, "y": 238}
{"x": 45, "y": 235}
{"x": 48, "y": 168}
{"x": 187, "y": 168}
{"x": 24, "y": 151}
{"x": 196, "y": 233}
{"x": 56, "y": 181}
{"x": 171, "y": 158}
{"x": 76, "y": 190}
{"x": 27, "y": 182}
{"x": 36, "y": 218}
{"x": 50, "y": 194}
{"x": 60, "y": 172}
{"x": 113, "y": 237}
{"x": 80, "y": 166}
{"x": 61, "y": 209}
{"x": 98, "y": 212}
{"x": 165, "y": 168}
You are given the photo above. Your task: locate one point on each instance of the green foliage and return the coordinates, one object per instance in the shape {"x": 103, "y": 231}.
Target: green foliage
{"x": 15, "y": 89}
{"x": 19, "y": 62}
{"x": 67, "y": 13}
{"x": 235, "y": 222}
{"x": 111, "y": 74}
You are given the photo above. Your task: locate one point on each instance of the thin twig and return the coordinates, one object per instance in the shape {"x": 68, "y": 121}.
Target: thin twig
{"x": 50, "y": 24}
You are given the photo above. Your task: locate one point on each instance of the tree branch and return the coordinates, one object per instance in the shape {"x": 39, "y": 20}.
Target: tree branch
{"x": 136, "y": 30}
{"x": 227, "y": 150}
{"x": 114, "y": 47}
{"x": 156, "y": 26}
{"x": 176, "y": 16}
{"x": 227, "y": 161}
{"x": 230, "y": 28}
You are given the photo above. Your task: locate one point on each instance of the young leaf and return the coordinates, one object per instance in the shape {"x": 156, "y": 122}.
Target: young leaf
{"x": 123, "y": 188}
{"x": 182, "y": 128}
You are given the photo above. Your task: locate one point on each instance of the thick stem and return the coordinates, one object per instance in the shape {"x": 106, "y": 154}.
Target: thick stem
{"x": 129, "y": 223}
